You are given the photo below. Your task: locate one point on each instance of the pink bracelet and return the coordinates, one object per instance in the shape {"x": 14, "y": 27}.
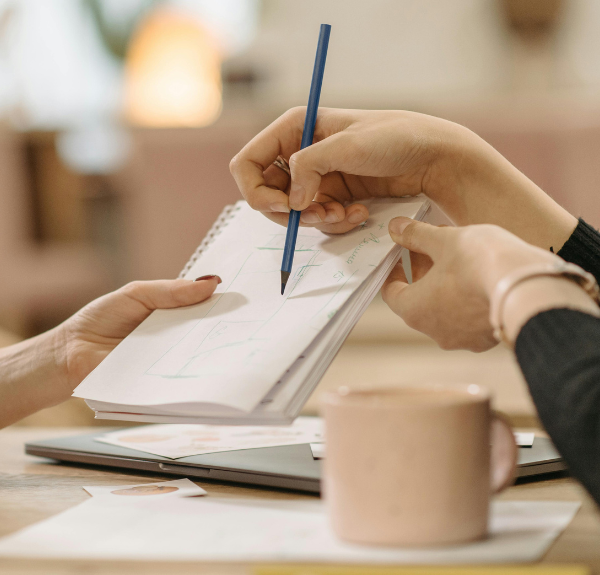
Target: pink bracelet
{"x": 520, "y": 275}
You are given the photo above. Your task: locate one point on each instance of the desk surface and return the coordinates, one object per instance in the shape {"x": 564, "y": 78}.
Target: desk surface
{"x": 32, "y": 489}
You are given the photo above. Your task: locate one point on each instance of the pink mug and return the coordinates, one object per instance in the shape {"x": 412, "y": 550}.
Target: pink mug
{"x": 414, "y": 466}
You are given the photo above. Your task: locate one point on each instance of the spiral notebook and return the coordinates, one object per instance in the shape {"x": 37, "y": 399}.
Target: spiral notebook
{"x": 249, "y": 355}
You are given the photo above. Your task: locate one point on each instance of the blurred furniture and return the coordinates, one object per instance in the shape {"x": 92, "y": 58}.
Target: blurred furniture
{"x": 38, "y": 278}
{"x": 33, "y": 489}
{"x": 176, "y": 185}
{"x": 7, "y": 338}
{"x": 555, "y": 141}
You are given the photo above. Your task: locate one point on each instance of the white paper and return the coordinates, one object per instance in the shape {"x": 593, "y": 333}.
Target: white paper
{"x": 522, "y": 439}
{"x": 174, "y": 441}
{"x": 318, "y": 450}
{"x": 160, "y": 489}
{"x": 231, "y": 350}
{"x": 260, "y": 530}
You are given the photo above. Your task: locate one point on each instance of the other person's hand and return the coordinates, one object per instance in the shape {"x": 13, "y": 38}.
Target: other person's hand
{"x": 359, "y": 154}
{"x": 44, "y": 370}
{"x": 455, "y": 271}
{"x": 95, "y": 330}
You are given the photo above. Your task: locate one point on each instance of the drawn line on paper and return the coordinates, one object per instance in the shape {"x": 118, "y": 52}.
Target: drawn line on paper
{"x": 333, "y": 296}
{"x": 218, "y": 299}
{"x": 189, "y": 360}
{"x": 227, "y": 334}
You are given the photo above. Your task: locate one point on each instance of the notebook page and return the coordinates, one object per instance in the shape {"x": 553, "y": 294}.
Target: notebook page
{"x": 231, "y": 349}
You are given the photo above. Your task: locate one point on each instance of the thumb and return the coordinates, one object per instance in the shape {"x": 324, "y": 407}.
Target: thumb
{"x": 418, "y": 237}
{"x": 165, "y": 294}
{"x": 309, "y": 165}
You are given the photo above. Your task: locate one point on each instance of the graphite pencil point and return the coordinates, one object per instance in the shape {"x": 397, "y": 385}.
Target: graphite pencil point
{"x": 285, "y": 276}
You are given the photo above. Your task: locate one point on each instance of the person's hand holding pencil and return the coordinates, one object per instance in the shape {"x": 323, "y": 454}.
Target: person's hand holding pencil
{"x": 358, "y": 154}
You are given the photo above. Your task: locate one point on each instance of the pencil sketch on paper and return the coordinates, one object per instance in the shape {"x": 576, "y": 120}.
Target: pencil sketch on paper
{"x": 211, "y": 339}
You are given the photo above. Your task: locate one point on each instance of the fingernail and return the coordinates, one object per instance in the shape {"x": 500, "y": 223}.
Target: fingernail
{"x": 331, "y": 217}
{"x": 297, "y": 193}
{"x": 356, "y": 217}
{"x": 398, "y": 225}
{"x": 209, "y": 277}
{"x": 280, "y": 208}
{"x": 310, "y": 218}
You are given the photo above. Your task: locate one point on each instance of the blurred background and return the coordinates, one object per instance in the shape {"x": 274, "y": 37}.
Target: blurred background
{"x": 118, "y": 119}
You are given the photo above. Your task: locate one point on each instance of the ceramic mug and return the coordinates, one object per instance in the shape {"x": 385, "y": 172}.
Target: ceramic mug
{"x": 414, "y": 466}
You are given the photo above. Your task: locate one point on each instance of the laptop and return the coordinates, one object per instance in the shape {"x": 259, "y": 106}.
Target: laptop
{"x": 287, "y": 467}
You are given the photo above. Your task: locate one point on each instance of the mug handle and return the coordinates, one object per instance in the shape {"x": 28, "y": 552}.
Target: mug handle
{"x": 503, "y": 453}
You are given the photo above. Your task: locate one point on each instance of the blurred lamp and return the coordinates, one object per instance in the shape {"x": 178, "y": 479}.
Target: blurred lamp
{"x": 172, "y": 73}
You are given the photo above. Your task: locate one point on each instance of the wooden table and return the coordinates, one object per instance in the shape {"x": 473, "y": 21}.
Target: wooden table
{"x": 32, "y": 489}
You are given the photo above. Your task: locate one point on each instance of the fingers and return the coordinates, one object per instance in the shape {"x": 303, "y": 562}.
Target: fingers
{"x": 276, "y": 178}
{"x": 394, "y": 286}
{"x": 308, "y": 166}
{"x": 315, "y": 214}
{"x": 166, "y": 294}
{"x": 334, "y": 212}
{"x": 353, "y": 215}
{"x": 420, "y": 264}
{"x": 419, "y": 237}
{"x": 397, "y": 274}
{"x": 282, "y": 137}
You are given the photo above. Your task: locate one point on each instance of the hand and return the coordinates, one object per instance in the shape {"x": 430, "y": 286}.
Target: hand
{"x": 44, "y": 370}
{"x": 455, "y": 271}
{"x": 359, "y": 154}
{"x": 95, "y": 330}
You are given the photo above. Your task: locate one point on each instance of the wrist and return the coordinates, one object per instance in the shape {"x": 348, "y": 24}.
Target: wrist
{"x": 452, "y": 169}
{"x": 32, "y": 378}
{"x": 474, "y": 184}
{"x": 541, "y": 294}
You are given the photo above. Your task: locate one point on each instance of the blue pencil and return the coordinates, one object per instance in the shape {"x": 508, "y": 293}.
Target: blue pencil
{"x": 307, "y": 139}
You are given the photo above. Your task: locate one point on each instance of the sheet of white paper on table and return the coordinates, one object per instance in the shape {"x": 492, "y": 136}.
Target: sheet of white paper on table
{"x": 160, "y": 489}
{"x": 232, "y": 530}
{"x": 523, "y": 439}
{"x": 177, "y": 440}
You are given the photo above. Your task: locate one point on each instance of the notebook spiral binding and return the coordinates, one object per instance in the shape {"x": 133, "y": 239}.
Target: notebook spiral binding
{"x": 224, "y": 218}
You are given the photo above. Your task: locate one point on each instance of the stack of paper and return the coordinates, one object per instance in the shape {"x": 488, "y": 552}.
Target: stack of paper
{"x": 183, "y": 440}
{"x": 249, "y": 355}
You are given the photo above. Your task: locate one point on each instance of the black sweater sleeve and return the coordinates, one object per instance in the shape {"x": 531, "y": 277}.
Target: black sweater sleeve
{"x": 583, "y": 249}
{"x": 559, "y": 353}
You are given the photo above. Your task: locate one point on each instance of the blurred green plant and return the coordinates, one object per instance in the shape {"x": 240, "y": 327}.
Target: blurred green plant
{"x": 116, "y": 31}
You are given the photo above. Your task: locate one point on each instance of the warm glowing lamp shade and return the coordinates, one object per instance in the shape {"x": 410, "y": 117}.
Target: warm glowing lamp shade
{"x": 172, "y": 73}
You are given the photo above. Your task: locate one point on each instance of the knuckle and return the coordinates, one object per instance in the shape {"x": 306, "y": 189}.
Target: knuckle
{"x": 177, "y": 294}
{"x": 446, "y": 344}
{"x": 133, "y": 288}
{"x": 252, "y": 200}
{"x": 234, "y": 164}
{"x": 295, "y": 162}
{"x": 295, "y": 113}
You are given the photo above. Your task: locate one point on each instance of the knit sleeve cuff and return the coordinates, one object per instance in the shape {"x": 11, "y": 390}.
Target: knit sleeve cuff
{"x": 583, "y": 249}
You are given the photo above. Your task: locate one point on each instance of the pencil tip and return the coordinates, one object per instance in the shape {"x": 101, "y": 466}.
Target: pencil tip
{"x": 284, "y": 279}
